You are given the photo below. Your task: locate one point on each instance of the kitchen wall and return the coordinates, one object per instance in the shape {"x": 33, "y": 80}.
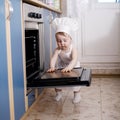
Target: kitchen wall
{"x": 98, "y": 39}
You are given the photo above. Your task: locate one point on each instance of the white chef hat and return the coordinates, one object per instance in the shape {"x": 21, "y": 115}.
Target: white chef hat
{"x": 65, "y": 24}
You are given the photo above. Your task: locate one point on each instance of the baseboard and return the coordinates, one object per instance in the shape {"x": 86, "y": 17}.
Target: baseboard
{"x": 106, "y": 71}
{"x": 103, "y": 68}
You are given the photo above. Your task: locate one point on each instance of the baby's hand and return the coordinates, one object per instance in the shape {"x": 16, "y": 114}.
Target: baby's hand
{"x": 67, "y": 69}
{"x": 51, "y": 70}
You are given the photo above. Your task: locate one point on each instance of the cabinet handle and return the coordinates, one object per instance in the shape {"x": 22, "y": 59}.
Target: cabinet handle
{"x": 10, "y": 9}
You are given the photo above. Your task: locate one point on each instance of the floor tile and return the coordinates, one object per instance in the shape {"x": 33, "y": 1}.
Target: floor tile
{"x": 100, "y": 101}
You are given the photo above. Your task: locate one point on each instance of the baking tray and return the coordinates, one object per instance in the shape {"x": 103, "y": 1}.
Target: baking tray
{"x": 77, "y": 77}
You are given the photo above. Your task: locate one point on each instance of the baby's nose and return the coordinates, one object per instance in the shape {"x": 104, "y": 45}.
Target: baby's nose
{"x": 62, "y": 42}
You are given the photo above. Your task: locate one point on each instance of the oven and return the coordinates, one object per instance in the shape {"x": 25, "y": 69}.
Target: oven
{"x": 34, "y": 41}
{"x": 36, "y": 75}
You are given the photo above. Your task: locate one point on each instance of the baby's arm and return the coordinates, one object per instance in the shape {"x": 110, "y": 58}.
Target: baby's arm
{"x": 53, "y": 61}
{"x": 72, "y": 62}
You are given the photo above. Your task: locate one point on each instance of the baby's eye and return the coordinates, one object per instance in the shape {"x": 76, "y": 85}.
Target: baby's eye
{"x": 58, "y": 40}
{"x": 61, "y": 40}
{"x": 65, "y": 40}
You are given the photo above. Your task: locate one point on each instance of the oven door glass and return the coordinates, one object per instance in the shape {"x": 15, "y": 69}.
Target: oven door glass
{"x": 32, "y": 53}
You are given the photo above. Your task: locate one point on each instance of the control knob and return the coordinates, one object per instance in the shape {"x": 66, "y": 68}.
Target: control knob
{"x": 38, "y": 15}
{"x": 34, "y": 15}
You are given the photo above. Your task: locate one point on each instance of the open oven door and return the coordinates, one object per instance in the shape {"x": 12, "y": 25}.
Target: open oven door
{"x": 77, "y": 77}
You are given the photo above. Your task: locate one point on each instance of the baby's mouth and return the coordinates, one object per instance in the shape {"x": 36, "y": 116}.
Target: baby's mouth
{"x": 63, "y": 47}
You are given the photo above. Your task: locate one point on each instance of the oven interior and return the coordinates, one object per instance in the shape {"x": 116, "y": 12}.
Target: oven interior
{"x": 32, "y": 54}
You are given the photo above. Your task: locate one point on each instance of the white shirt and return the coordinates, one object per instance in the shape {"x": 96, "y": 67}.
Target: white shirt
{"x": 64, "y": 58}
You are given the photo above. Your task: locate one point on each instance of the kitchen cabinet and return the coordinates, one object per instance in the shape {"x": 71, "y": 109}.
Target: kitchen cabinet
{"x": 11, "y": 62}
{"x": 17, "y": 59}
{"x": 4, "y": 92}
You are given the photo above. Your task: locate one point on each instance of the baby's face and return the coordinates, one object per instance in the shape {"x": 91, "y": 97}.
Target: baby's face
{"x": 63, "y": 42}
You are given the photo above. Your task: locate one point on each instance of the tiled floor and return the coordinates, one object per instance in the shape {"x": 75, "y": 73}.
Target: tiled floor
{"x": 100, "y": 101}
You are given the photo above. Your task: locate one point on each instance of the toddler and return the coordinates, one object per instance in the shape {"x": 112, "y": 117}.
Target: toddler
{"x": 65, "y": 55}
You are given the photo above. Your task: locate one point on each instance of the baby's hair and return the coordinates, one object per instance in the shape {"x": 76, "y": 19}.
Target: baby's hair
{"x": 63, "y": 33}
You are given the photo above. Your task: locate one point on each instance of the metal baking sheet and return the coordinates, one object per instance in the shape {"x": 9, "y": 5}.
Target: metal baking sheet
{"x": 77, "y": 77}
{"x": 75, "y": 73}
